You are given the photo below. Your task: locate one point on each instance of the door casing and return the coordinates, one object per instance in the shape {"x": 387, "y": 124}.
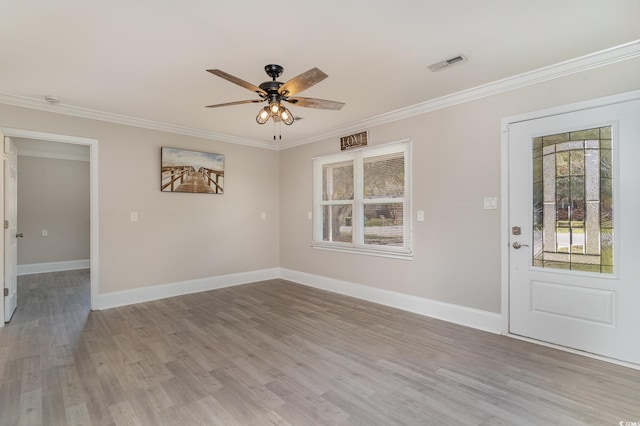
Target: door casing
{"x": 504, "y": 211}
{"x": 93, "y": 200}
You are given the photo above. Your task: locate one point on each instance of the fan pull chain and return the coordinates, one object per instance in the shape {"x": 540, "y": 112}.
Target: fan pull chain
{"x": 279, "y": 131}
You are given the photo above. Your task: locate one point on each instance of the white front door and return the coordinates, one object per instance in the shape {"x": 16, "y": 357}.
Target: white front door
{"x": 10, "y": 228}
{"x": 574, "y": 213}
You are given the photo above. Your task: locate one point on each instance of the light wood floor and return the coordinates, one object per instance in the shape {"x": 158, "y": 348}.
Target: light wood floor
{"x": 277, "y": 353}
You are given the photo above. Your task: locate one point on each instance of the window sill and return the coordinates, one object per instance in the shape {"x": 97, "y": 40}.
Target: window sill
{"x": 399, "y": 253}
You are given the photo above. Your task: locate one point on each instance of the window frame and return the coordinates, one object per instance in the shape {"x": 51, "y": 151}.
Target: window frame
{"x": 359, "y": 202}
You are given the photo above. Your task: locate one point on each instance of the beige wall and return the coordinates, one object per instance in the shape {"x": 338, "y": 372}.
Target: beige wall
{"x": 187, "y": 236}
{"x": 456, "y": 163}
{"x": 178, "y": 237}
{"x": 53, "y": 194}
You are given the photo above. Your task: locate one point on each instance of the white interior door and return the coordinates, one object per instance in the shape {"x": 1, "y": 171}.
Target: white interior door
{"x": 10, "y": 228}
{"x": 574, "y": 209}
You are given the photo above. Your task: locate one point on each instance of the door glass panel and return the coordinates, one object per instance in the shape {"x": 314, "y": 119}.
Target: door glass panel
{"x": 573, "y": 201}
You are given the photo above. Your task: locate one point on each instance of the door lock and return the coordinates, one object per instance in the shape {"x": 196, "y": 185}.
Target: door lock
{"x": 516, "y": 245}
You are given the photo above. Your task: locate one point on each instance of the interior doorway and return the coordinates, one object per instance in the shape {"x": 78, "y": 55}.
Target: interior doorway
{"x": 69, "y": 144}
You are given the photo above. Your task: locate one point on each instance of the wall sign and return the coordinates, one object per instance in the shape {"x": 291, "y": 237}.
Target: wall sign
{"x": 354, "y": 141}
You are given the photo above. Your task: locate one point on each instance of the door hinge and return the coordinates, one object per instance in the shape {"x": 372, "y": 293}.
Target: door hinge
{"x": 6, "y": 292}
{"x": 6, "y": 224}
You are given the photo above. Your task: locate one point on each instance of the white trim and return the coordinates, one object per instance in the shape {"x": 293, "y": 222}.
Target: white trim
{"x": 51, "y": 137}
{"x": 598, "y": 59}
{"x": 95, "y": 225}
{"x": 356, "y": 249}
{"x": 504, "y": 228}
{"x": 40, "y": 268}
{"x": 469, "y": 317}
{"x": 93, "y": 194}
{"x": 162, "y": 291}
{"x": 564, "y": 109}
{"x": 575, "y": 351}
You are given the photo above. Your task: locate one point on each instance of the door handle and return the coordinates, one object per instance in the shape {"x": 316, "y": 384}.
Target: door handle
{"x": 516, "y": 245}
{"x": 20, "y": 235}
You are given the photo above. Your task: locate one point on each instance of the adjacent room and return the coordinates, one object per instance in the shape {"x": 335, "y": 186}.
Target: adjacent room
{"x": 361, "y": 213}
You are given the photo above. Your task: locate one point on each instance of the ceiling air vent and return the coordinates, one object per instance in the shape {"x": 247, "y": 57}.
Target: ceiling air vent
{"x": 447, "y": 63}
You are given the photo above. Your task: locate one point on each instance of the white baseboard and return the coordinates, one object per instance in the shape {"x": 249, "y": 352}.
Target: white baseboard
{"x": 40, "y": 268}
{"x": 162, "y": 291}
{"x": 470, "y": 317}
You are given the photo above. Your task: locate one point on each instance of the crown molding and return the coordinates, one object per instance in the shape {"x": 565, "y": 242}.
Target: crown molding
{"x": 25, "y": 102}
{"x": 602, "y": 58}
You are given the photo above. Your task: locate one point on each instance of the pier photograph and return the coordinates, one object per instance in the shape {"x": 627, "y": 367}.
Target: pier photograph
{"x": 191, "y": 171}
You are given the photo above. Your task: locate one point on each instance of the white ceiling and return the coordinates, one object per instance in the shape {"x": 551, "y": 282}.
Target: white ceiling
{"x": 147, "y": 59}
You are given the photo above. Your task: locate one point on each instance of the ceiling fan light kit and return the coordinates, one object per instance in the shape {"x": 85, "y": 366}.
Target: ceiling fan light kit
{"x": 275, "y": 93}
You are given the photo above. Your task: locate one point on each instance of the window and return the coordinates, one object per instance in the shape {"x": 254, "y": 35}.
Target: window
{"x": 361, "y": 201}
{"x": 573, "y": 201}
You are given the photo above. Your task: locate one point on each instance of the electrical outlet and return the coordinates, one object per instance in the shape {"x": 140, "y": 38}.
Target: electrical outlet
{"x": 45, "y": 232}
{"x": 133, "y": 216}
{"x": 420, "y": 216}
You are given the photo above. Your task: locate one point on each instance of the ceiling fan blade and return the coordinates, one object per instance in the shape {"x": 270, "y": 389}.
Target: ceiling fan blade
{"x": 252, "y": 101}
{"x": 316, "y": 103}
{"x": 302, "y": 82}
{"x": 238, "y": 81}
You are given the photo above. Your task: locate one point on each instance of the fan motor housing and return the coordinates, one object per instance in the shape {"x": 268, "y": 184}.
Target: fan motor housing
{"x": 271, "y": 87}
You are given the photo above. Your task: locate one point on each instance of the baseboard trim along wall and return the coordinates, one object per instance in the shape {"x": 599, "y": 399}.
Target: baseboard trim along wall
{"x": 469, "y": 317}
{"x": 40, "y": 268}
{"x": 162, "y": 291}
{"x": 457, "y": 314}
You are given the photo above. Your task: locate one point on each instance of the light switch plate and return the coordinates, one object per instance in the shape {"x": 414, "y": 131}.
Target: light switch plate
{"x": 263, "y": 216}
{"x": 133, "y": 216}
{"x": 490, "y": 203}
{"x": 45, "y": 232}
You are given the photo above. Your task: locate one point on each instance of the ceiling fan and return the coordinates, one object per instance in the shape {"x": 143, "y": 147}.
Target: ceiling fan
{"x": 275, "y": 92}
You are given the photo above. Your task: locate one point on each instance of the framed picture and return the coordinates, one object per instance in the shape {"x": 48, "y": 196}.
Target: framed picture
{"x": 191, "y": 171}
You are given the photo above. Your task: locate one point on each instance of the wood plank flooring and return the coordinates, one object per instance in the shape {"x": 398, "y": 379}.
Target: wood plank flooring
{"x": 277, "y": 353}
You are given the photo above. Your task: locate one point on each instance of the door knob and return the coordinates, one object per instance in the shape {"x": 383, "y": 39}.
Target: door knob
{"x": 20, "y": 235}
{"x": 517, "y": 245}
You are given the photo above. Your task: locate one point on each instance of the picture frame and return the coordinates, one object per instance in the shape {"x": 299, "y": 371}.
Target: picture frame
{"x": 193, "y": 172}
